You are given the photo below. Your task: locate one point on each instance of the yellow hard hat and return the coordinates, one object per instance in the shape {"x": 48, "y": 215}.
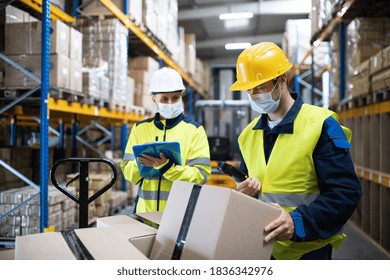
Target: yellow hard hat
{"x": 258, "y": 64}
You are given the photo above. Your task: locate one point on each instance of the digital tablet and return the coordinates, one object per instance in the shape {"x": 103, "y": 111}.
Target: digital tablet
{"x": 171, "y": 150}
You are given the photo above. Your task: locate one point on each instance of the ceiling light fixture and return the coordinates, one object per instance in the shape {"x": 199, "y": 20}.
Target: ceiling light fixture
{"x": 237, "y": 46}
{"x": 236, "y": 15}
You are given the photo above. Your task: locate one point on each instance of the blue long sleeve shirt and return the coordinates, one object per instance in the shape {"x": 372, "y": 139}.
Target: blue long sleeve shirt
{"x": 339, "y": 186}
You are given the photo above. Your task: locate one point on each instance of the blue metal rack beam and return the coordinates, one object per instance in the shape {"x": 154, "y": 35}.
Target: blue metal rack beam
{"x": 44, "y": 128}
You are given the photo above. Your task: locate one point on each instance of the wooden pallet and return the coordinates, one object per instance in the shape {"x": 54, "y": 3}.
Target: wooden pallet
{"x": 96, "y": 101}
{"x": 66, "y": 94}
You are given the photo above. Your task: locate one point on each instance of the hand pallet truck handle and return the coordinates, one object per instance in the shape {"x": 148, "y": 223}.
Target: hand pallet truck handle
{"x": 83, "y": 200}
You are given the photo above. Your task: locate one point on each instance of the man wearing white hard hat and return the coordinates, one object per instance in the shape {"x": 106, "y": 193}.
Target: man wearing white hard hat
{"x": 171, "y": 125}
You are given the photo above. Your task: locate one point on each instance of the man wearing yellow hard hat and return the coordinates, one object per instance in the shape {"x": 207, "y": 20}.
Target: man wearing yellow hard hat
{"x": 297, "y": 157}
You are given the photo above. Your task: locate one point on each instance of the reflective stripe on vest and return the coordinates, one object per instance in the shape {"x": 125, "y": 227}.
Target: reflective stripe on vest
{"x": 204, "y": 161}
{"x": 152, "y": 195}
{"x": 290, "y": 200}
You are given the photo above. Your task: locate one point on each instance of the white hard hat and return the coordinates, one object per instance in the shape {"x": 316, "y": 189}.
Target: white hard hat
{"x": 166, "y": 80}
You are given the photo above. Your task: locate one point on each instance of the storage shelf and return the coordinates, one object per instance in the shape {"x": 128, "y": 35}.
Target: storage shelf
{"x": 34, "y": 7}
{"x": 91, "y": 110}
{"x": 372, "y": 109}
{"x": 373, "y": 176}
{"x": 150, "y": 44}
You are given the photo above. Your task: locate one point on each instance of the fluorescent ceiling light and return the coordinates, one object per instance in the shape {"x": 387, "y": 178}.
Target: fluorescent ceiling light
{"x": 235, "y": 15}
{"x": 236, "y": 23}
{"x": 237, "y": 46}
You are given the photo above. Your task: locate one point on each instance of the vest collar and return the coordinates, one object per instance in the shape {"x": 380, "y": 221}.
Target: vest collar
{"x": 169, "y": 122}
{"x": 286, "y": 126}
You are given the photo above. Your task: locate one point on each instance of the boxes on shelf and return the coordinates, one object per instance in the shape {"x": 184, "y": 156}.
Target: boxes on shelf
{"x": 386, "y": 57}
{"x": 145, "y": 63}
{"x": 59, "y": 71}
{"x": 76, "y": 78}
{"x": 26, "y": 38}
{"x": 359, "y": 81}
{"x": 381, "y": 80}
{"x": 75, "y": 45}
{"x": 107, "y": 40}
{"x": 366, "y": 37}
{"x": 190, "y": 52}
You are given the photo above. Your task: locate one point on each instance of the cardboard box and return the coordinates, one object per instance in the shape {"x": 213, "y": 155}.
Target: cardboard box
{"x": 75, "y": 44}
{"x": 140, "y": 76}
{"x": 376, "y": 63}
{"x": 143, "y": 63}
{"x": 101, "y": 243}
{"x": 76, "y": 75}
{"x": 59, "y": 71}
{"x": 220, "y": 223}
{"x": 386, "y": 57}
{"x": 26, "y": 38}
{"x": 140, "y": 235}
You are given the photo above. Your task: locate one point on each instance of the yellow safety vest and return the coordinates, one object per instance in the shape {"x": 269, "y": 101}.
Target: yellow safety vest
{"x": 195, "y": 156}
{"x": 289, "y": 178}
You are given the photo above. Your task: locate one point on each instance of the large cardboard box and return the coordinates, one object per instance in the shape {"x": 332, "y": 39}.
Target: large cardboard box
{"x": 26, "y": 38}
{"x": 75, "y": 44}
{"x": 140, "y": 235}
{"x": 101, "y": 243}
{"x": 212, "y": 223}
{"x": 143, "y": 63}
{"x": 59, "y": 71}
{"x": 76, "y": 75}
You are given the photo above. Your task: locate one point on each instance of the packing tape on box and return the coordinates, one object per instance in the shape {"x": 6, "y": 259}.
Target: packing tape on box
{"x": 76, "y": 245}
{"x": 145, "y": 221}
{"x": 185, "y": 225}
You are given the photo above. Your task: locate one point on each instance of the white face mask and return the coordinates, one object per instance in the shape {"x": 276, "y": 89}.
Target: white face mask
{"x": 170, "y": 111}
{"x": 263, "y": 103}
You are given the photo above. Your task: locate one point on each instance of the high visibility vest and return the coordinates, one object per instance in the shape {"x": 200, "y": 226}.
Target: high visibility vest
{"x": 195, "y": 157}
{"x": 289, "y": 178}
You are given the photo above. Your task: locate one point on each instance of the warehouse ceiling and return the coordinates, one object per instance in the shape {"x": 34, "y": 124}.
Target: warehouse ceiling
{"x": 268, "y": 24}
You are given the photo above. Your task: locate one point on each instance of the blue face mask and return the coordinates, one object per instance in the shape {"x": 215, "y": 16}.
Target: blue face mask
{"x": 170, "y": 111}
{"x": 263, "y": 103}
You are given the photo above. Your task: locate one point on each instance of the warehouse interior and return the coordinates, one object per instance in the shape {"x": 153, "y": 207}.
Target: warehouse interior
{"x": 67, "y": 108}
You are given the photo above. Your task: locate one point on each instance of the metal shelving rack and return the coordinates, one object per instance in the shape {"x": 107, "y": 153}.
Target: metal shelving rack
{"x": 60, "y": 109}
{"x": 369, "y": 123}
{"x": 49, "y": 106}
{"x": 158, "y": 52}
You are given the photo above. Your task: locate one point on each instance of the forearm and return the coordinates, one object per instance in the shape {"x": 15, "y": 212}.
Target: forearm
{"x": 130, "y": 171}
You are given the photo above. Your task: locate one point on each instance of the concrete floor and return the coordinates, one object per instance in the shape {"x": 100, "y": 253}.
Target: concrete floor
{"x": 358, "y": 246}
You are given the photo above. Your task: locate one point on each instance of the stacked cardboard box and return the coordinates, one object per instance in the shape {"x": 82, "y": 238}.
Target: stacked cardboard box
{"x": 23, "y": 45}
{"x": 23, "y": 221}
{"x": 380, "y": 70}
{"x": 141, "y": 69}
{"x": 106, "y": 40}
{"x": 26, "y": 220}
{"x": 366, "y": 37}
{"x": 190, "y": 52}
